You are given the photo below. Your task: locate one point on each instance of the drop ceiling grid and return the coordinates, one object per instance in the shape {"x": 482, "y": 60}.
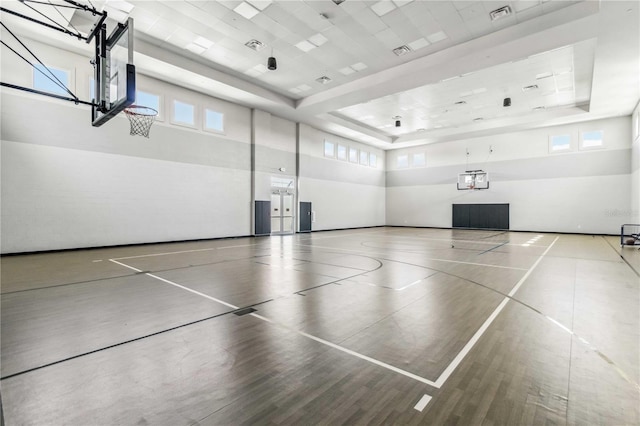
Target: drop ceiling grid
{"x": 435, "y": 104}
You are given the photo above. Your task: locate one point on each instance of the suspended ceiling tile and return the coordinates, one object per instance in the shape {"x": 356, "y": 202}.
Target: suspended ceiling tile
{"x": 369, "y": 20}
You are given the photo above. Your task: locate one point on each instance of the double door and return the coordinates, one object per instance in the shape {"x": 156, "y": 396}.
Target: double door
{"x": 282, "y": 217}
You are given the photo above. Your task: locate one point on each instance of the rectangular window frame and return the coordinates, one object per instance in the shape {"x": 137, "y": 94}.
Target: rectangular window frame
{"x": 160, "y": 116}
{"x": 405, "y": 161}
{"x": 329, "y": 149}
{"x": 205, "y": 127}
{"x": 570, "y": 147}
{"x": 354, "y": 155}
{"x": 364, "y": 158}
{"x": 342, "y": 149}
{"x": 373, "y": 160}
{"x": 71, "y": 80}
{"x": 193, "y": 125}
{"x": 584, "y": 147}
{"x": 422, "y": 163}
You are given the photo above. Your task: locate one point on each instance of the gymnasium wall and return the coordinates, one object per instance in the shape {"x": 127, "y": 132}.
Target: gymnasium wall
{"x": 581, "y": 190}
{"x": 343, "y": 194}
{"x": 634, "y": 213}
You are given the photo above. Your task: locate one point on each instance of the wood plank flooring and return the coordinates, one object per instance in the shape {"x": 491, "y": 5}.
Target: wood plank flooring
{"x": 349, "y": 327}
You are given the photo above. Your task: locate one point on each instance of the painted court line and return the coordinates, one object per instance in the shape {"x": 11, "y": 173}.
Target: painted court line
{"x": 422, "y": 403}
{"x": 163, "y": 254}
{"x": 302, "y": 333}
{"x": 443, "y": 376}
{"x": 177, "y": 285}
{"x": 348, "y": 351}
{"x": 471, "y": 343}
{"x": 368, "y": 253}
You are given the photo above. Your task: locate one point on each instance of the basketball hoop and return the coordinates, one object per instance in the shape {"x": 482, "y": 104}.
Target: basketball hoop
{"x": 140, "y": 118}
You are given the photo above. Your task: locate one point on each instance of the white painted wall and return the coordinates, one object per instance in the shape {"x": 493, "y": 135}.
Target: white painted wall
{"x": 580, "y": 191}
{"x": 634, "y": 213}
{"x": 66, "y": 184}
{"x": 343, "y": 194}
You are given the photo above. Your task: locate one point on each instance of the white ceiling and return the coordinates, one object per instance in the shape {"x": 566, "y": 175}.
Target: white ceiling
{"x": 584, "y": 57}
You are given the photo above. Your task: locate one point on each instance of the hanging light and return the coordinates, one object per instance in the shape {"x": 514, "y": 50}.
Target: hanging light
{"x": 271, "y": 63}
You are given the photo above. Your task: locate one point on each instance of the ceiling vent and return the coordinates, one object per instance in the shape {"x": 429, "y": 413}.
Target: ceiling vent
{"x": 255, "y": 45}
{"x": 532, "y": 87}
{"x": 399, "y": 51}
{"x": 323, "y": 80}
{"x": 500, "y": 13}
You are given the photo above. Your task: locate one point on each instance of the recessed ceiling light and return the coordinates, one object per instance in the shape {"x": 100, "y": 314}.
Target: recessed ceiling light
{"x": 531, "y": 87}
{"x": 318, "y": 39}
{"x": 383, "y": 7}
{"x": 435, "y": 37}
{"x": 246, "y": 10}
{"x": 323, "y": 80}
{"x": 253, "y": 73}
{"x": 261, "y": 68}
{"x": 305, "y": 46}
{"x": 203, "y": 42}
{"x": 419, "y": 43}
{"x": 478, "y": 119}
{"x": 192, "y": 47}
{"x": 255, "y": 45}
{"x": 346, "y": 71}
{"x": 260, "y": 4}
{"x": 562, "y": 71}
{"x": 338, "y": 2}
{"x": 402, "y": 50}
{"x": 539, "y": 108}
{"x": 500, "y": 13}
{"x": 460, "y": 103}
{"x": 359, "y": 66}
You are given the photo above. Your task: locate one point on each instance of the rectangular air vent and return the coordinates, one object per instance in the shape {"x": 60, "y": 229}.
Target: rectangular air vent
{"x": 500, "y": 13}
{"x": 255, "y": 45}
{"x": 402, "y": 50}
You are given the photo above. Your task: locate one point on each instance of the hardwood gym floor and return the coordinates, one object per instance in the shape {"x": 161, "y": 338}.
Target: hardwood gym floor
{"x": 369, "y": 326}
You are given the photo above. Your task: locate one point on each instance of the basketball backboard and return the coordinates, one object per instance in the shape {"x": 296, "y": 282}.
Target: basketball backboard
{"x": 114, "y": 73}
{"x": 473, "y": 179}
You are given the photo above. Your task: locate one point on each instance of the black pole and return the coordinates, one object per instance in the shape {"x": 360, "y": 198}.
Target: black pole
{"x": 51, "y": 95}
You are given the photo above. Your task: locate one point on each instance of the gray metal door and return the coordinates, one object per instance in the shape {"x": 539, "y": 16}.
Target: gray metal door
{"x": 305, "y": 216}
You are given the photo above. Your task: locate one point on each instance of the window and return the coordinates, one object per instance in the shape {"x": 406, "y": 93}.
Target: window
{"x": 42, "y": 80}
{"x": 183, "y": 113}
{"x": 213, "y": 120}
{"x": 364, "y": 158}
{"x": 418, "y": 160}
{"x": 342, "y": 152}
{"x": 373, "y": 160}
{"x": 149, "y": 100}
{"x": 329, "y": 149}
{"x": 559, "y": 143}
{"x": 591, "y": 140}
{"x": 402, "y": 161}
{"x": 353, "y": 155}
